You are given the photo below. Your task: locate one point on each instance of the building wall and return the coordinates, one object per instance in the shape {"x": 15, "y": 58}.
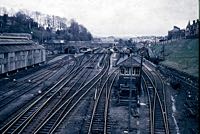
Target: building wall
{"x": 128, "y": 81}
{"x": 15, "y": 60}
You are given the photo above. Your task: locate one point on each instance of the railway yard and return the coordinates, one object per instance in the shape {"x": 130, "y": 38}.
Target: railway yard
{"x": 99, "y": 67}
{"x": 79, "y": 95}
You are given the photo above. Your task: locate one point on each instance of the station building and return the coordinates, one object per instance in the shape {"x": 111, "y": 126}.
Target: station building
{"x": 128, "y": 81}
{"x": 18, "y": 51}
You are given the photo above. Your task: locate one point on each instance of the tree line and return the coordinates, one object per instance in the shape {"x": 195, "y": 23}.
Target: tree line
{"x": 42, "y": 27}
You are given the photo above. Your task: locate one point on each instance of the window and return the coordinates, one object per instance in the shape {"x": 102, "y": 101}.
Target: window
{"x": 11, "y": 59}
{"x": 1, "y": 60}
{"x": 137, "y": 71}
{"x": 127, "y": 70}
{"x": 133, "y": 70}
{"x": 5, "y": 55}
{"x": 0, "y": 69}
{"x": 122, "y": 70}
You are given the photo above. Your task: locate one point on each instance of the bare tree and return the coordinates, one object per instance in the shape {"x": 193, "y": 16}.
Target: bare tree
{"x": 37, "y": 16}
{"x": 3, "y": 11}
{"x": 11, "y": 12}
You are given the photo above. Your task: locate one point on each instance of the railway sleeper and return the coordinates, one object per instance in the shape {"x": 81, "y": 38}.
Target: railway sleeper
{"x": 159, "y": 129}
{"x": 99, "y": 114}
{"x": 159, "y": 132}
{"x": 98, "y": 120}
{"x": 98, "y": 125}
{"x": 44, "y": 131}
{"x": 159, "y": 126}
{"x": 97, "y": 131}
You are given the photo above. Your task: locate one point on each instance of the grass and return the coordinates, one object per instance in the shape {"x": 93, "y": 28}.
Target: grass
{"x": 181, "y": 54}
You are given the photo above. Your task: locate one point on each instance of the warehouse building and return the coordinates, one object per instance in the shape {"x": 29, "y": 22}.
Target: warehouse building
{"x": 18, "y": 51}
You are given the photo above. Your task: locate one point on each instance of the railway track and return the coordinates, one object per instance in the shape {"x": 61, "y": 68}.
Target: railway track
{"x": 148, "y": 89}
{"x": 22, "y": 87}
{"x": 51, "y": 107}
{"x": 157, "y": 102}
{"x": 26, "y": 87}
{"x": 99, "y": 119}
{"x": 22, "y": 120}
{"x": 34, "y": 77}
{"x": 55, "y": 120}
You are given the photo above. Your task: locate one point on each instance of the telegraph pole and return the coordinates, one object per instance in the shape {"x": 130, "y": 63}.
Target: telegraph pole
{"x": 140, "y": 77}
{"x": 130, "y": 97}
{"x": 163, "y": 51}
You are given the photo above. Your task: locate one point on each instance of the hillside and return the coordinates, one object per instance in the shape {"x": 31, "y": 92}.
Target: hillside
{"x": 56, "y": 27}
{"x": 181, "y": 54}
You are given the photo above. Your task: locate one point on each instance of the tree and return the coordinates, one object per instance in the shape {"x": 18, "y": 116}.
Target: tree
{"x": 43, "y": 26}
{"x": 37, "y": 16}
{"x": 3, "y": 11}
{"x": 74, "y": 30}
{"x": 120, "y": 41}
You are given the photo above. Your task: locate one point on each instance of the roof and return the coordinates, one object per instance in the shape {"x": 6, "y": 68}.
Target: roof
{"x": 14, "y": 48}
{"x": 130, "y": 62}
{"x": 15, "y": 41}
{"x": 16, "y": 35}
{"x": 12, "y": 42}
{"x": 15, "y": 38}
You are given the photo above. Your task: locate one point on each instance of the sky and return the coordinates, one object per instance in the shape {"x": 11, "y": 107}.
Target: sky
{"x": 117, "y": 17}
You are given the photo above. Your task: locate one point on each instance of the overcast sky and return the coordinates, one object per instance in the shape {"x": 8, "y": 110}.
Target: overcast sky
{"x": 117, "y": 17}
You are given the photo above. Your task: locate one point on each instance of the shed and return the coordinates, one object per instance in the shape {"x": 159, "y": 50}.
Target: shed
{"x": 18, "y": 52}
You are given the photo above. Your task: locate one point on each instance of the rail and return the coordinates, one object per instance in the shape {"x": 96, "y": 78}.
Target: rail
{"x": 71, "y": 102}
{"x": 158, "y": 101}
{"x": 8, "y": 126}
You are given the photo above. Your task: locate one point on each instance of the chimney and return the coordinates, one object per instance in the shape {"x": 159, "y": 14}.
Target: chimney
{"x": 193, "y": 22}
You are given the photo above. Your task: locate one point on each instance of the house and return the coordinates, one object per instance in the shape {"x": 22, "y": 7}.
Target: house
{"x": 176, "y": 33}
{"x": 192, "y": 30}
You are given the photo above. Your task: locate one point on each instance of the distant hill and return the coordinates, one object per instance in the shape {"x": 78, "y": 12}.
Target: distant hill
{"x": 182, "y": 55}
